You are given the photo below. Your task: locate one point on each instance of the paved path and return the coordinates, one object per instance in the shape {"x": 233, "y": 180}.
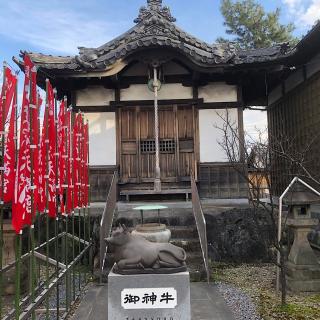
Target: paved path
{"x": 206, "y": 304}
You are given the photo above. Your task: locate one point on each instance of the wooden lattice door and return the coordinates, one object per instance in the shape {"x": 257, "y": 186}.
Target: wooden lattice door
{"x": 177, "y": 132}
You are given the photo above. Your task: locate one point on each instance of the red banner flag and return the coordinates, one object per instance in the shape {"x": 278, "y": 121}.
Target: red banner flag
{"x": 52, "y": 201}
{"x": 7, "y": 127}
{"x": 9, "y": 147}
{"x": 42, "y": 160}
{"x": 76, "y": 161}
{"x": 21, "y": 209}
{"x": 69, "y": 175}
{"x": 62, "y": 150}
{"x": 34, "y": 139}
{"x": 86, "y": 159}
{"x": 7, "y": 93}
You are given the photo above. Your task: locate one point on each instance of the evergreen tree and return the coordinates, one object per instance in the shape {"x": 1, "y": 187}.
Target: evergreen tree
{"x": 252, "y": 26}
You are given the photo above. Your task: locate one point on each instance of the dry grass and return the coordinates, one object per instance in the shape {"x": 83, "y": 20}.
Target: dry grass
{"x": 258, "y": 281}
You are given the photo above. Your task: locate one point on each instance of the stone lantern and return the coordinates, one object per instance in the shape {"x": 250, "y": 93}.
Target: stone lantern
{"x": 303, "y": 267}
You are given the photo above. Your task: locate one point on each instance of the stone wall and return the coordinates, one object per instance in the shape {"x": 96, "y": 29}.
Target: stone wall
{"x": 239, "y": 235}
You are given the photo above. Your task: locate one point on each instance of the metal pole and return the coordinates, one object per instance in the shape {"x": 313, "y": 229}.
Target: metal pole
{"x": 79, "y": 205}
{"x": 84, "y": 185}
{"x": 32, "y": 106}
{"x": 19, "y": 236}
{"x": 66, "y": 128}
{"x": 2, "y": 133}
{"x": 72, "y": 137}
{"x": 56, "y": 224}
{"x": 89, "y": 199}
{"x": 39, "y": 216}
{"x": 47, "y": 197}
{"x": 157, "y": 180}
{"x": 18, "y": 275}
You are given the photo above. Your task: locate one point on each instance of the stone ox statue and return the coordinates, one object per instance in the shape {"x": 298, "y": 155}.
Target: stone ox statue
{"x": 134, "y": 254}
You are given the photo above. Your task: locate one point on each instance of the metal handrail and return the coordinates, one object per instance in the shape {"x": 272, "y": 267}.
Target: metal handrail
{"x": 107, "y": 220}
{"x": 201, "y": 224}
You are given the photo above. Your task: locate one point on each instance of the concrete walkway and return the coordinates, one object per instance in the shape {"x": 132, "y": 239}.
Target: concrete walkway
{"x": 206, "y": 304}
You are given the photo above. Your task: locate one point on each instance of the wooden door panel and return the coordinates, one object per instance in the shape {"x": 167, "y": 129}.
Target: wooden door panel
{"x": 185, "y": 123}
{"x": 168, "y": 165}
{"x": 186, "y": 136}
{"x": 177, "y": 140}
{"x": 128, "y": 145}
{"x": 146, "y": 123}
{"x": 128, "y": 124}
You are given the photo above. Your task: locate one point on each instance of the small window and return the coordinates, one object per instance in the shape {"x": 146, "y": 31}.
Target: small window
{"x": 165, "y": 146}
{"x": 147, "y": 146}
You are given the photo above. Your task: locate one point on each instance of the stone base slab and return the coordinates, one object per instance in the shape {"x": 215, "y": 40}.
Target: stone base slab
{"x": 119, "y": 286}
{"x": 303, "y": 285}
{"x": 303, "y": 272}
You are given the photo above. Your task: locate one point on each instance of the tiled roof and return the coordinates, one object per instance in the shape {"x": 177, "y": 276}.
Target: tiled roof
{"x": 155, "y": 28}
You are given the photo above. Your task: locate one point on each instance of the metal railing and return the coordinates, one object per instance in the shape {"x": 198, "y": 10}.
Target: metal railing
{"x": 59, "y": 276}
{"x": 107, "y": 220}
{"x": 201, "y": 225}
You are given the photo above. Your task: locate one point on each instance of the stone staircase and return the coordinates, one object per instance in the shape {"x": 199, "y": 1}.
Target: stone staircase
{"x": 183, "y": 229}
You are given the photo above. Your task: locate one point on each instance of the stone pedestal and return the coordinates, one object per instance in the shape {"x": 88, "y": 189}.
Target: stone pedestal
{"x": 153, "y": 232}
{"x": 149, "y": 297}
{"x": 303, "y": 267}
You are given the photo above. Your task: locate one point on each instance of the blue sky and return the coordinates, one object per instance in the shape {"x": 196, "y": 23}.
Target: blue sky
{"x": 58, "y": 26}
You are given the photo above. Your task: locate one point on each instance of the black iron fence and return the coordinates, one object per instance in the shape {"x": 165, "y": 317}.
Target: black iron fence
{"x": 45, "y": 280}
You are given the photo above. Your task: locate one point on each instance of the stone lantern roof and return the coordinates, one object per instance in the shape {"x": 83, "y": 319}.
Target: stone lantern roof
{"x": 300, "y": 195}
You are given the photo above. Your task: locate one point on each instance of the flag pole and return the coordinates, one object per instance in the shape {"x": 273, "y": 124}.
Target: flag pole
{"x": 66, "y": 182}
{"x": 79, "y": 199}
{"x": 32, "y": 105}
{"x": 72, "y": 137}
{"x": 2, "y": 131}
{"x": 83, "y": 185}
{"x": 89, "y": 197}
{"x": 39, "y": 172}
{"x": 18, "y": 242}
{"x": 46, "y": 177}
{"x": 56, "y": 225}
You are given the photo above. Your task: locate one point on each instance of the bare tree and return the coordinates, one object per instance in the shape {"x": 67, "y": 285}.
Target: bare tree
{"x": 251, "y": 158}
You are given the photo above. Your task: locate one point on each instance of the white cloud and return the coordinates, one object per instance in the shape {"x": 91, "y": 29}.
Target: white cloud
{"x": 304, "y": 12}
{"x": 54, "y": 28}
{"x": 312, "y": 14}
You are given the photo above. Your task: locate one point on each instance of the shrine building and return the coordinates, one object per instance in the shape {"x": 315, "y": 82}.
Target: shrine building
{"x": 154, "y": 97}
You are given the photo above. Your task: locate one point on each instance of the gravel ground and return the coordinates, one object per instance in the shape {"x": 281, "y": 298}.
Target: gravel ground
{"x": 239, "y": 302}
{"x": 249, "y": 290}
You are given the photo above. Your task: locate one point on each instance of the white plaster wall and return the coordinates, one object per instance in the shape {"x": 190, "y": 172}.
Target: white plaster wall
{"x": 168, "y": 91}
{"x": 218, "y": 92}
{"x": 210, "y": 150}
{"x": 102, "y": 138}
{"x": 94, "y": 96}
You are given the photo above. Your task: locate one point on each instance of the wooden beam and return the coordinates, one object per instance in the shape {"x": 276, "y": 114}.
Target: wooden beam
{"x": 94, "y": 109}
{"x": 218, "y": 105}
{"x": 133, "y": 103}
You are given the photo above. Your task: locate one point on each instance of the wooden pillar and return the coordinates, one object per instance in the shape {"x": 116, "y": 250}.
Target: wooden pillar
{"x": 157, "y": 180}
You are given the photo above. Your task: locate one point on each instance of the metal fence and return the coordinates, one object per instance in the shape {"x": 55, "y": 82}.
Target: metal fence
{"x": 44, "y": 280}
{"x": 107, "y": 220}
{"x": 201, "y": 225}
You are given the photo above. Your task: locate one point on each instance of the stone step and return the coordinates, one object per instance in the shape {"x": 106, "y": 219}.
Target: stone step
{"x": 194, "y": 258}
{"x": 183, "y": 232}
{"x": 197, "y": 272}
{"x": 189, "y": 245}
